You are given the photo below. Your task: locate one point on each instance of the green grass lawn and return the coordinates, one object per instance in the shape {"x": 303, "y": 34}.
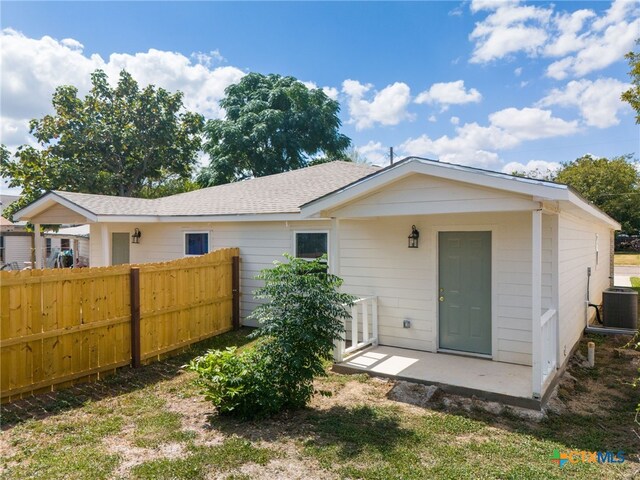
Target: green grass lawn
{"x": 632, "y": 259}
{"x": 152, "y": 423}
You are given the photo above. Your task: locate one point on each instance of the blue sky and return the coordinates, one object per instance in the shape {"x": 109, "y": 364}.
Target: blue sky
{"x": 482, "y": 83}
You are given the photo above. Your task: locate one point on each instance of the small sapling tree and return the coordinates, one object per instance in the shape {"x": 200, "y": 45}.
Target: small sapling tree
{"x": 299, "y": 324}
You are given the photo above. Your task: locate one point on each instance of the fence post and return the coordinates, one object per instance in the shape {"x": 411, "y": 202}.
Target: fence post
{"x": 135, "y": 317}
{"x": 235, "y": 288}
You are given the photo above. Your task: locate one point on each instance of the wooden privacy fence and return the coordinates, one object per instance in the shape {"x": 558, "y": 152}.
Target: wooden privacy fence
{"x": 61, "y": 326}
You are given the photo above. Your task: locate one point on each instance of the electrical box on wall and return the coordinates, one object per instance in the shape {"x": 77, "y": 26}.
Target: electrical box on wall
{"x": 406, "y": 323}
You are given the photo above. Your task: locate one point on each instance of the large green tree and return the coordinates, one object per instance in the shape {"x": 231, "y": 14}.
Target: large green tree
{"x": 611, "y": 184}
{"x": 632, "y": 96}
{"x": 122, "y": 140}
{"x": 273, "y": 124}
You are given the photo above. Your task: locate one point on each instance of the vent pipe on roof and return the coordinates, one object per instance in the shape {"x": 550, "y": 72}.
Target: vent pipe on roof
{"x": 391, "y": 155}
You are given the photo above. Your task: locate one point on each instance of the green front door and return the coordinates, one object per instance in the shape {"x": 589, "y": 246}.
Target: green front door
{"x": 119, "y": 248}
{"x": 464, "y": 291}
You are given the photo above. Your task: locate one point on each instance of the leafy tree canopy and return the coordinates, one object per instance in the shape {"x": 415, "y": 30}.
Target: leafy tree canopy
{"x": 273, "y": 124}
{"x": 632, "y": 96}
{"x": 120, "y": 140}
{"x": 611, "y": 184}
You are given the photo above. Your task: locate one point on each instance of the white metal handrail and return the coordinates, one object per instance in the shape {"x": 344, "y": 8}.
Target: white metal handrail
{"x": 363, "y": 312}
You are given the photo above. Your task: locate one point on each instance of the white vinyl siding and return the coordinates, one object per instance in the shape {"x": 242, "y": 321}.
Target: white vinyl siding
{"x": 260, "y": 244}
{"x": 18, "y": 249}
{"x": 576, "y": 253}
{"x": 59, "y": 214}
{"x": 375, "y": 260}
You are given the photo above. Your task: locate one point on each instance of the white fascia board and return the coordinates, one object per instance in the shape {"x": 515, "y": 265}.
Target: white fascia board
{"x": 593, "y": 210}
{"x": 483, "y": 178}
{"x": 439, "y": 170}
{"x": 265, "y": 217}
{"x": 47, "y": 201}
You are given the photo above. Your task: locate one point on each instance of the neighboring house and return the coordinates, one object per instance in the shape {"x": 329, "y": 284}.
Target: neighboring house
{"x": 497, "y": 257}
{"x": 16, "y": 244}
{"x": 6, "y": 200}
{"x": 74, "y": 239}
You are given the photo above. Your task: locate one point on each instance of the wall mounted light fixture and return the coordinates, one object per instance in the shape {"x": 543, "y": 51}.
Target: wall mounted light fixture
{"x": 413, "y": 237}
{"x": 135, "y": 238}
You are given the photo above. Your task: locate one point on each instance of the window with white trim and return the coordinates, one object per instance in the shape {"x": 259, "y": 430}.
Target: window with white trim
{"x": 311, "y": 245}
{"x": 196, "y": 243}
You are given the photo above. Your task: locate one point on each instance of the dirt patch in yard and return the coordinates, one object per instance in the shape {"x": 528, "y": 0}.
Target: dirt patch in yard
{"x": 130, "y": 455}
{"x": 195, "y": 413}
{"x": 590, "y": 391}
{"x": 291, "y": 465}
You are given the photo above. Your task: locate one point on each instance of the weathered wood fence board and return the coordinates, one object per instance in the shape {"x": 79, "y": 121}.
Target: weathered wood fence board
{"x": 59, "y": 326}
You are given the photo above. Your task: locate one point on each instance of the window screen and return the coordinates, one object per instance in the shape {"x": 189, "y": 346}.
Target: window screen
{"x": 196, "y": 243}
{"x": 311, "y": 245}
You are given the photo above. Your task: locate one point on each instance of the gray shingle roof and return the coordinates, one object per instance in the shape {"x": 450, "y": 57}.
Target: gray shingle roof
{"x": 281, "y": 193}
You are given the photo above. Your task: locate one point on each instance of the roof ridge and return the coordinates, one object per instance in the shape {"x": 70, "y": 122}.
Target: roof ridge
{"x": 271, "y": 176}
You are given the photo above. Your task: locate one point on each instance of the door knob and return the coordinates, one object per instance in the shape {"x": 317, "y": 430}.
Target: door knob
{"x": 442, "y": 299}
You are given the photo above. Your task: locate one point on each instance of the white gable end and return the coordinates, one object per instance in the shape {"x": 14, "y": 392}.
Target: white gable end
{"x": 425, "y": 194}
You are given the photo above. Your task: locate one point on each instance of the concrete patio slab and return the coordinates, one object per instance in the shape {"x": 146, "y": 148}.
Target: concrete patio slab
{"x": 504, "y": 382}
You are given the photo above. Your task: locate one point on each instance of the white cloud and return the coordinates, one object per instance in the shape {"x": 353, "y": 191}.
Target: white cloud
{"x": 330, "y": 92}
{"x": 203, "y": 88}
{"x": 598, "y": 101}
{"x": 72, "y": 44}
{"x": 478, "y": 5}
{"x": 449, "y": 150}
{"x": 32, "y": 69}
{"x": 433, "y": 119}
{"x": 618, "y": 12}
{"x": 478, "y": 145}
{"x": 568, "y": 38}
{"x": 387, "y": 107}
{"x": 532, "y": 123}
{"x": 558, "y": 70}
{"x": 600, "y": 49}
{"x": 510, "y": 28}
{"x": 582, "y": 41}
{"x": 518, "y": 71}
{"x": 455, "y": 120}
{"x": 206, "y": 59}
{"x": 449, "y": 93}
{"x": 374, "y": 152}
{"x": 533, "y": 168}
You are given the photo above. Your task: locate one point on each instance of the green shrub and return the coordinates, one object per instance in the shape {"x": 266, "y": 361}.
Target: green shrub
{"x": 298, "y": 326}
